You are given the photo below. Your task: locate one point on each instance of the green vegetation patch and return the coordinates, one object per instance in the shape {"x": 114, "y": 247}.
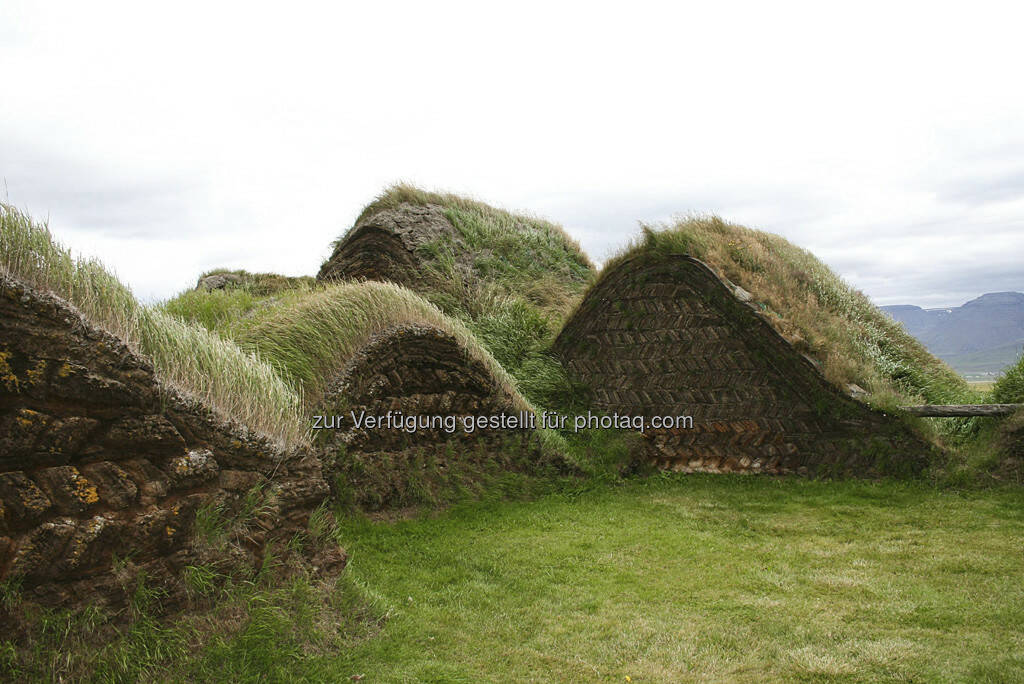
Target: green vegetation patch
{"x": 309, "y": 333}
{"x": 258, "y": 284}
{"x": 226, "y": 308}
{"x": 309, "y": 336}
{"x": 1008, "y": 435}
{"x": 216, "y": 310}
{"x": 701, "y": 577}
{"x": 673, "y": 578}
{"x": 509, "y": 246}
{"x": 1009, "y": 388}
{"x": 239, "y": 622}
{"x": 510, "y": 278}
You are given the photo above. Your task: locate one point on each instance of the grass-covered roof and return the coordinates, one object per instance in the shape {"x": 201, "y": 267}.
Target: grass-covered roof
{"x": 510, "y": 278}
{"x": 813, "y": 308}
{"x": 310, "y": 335}
{"x": 188, "y": 357}
{"x": 501, "y": 283}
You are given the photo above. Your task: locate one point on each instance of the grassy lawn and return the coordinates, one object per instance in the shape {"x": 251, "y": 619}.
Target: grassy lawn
{"x": 699, "y": 577}
{"x": 673, "y": 578}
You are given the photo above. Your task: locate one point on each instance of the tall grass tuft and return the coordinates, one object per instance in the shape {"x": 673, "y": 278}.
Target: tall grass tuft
{"x": 236, "y": 384}
{"x": 1009, "y": 388}
{"x": 310, "y": 336}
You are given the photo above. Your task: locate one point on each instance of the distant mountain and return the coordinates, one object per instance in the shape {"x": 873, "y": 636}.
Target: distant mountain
{"x": 978, "y": 339}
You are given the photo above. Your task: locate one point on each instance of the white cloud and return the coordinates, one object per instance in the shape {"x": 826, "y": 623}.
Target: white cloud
{"x": 886, "y": 139}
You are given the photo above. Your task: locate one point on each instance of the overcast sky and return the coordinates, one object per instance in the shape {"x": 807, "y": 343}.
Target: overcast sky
{"x": 174, "y": 138}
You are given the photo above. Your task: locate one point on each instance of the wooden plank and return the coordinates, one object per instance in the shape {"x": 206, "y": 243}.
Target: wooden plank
{"x": 962, "y": 410}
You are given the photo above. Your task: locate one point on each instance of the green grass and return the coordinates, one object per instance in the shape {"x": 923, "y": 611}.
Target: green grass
{"x": 253, "y": 628}
{"x": 503, "y": 281}
{"x": 308, "y": 330}
{"x": 219, "y": 311}
{"x": 531, "y": 244}
{"x": 262, "y": 284}
{"x": 491, "y": 255}
{"x": 732, "y": 578}
{"x": 236, "y": 384}
{"x": 229, "y": 311}
{"x": 1009, "y": 433}
{"x": 309, "y": 336}
{"x": 309, "y": 333}
{"x": 695, "y": 578}
{"x": 1009, "y": 388}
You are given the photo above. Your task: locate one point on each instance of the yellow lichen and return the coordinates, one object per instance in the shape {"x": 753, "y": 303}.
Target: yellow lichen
{"x": 83, "y": 490}
{"x": 36, "y": 503}
{"x": 7, "y": 376}
{"x": 36, "y": 373}
{"x": 32, "y": 498}
{"x": 91, "y": 495}
{"x": 27, "y": 418}
{"x": 64, "y": 370}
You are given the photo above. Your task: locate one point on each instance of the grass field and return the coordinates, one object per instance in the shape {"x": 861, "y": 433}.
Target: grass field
{"x": 672, "y": 578}
{"x": 726, "y": 578}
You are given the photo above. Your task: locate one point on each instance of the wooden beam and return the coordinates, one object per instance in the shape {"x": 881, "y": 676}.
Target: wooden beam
{"x": 962, "y": 410}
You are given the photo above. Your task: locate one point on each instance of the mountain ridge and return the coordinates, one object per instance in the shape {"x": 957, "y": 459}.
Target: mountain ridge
{"x": 980, "y": 338}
